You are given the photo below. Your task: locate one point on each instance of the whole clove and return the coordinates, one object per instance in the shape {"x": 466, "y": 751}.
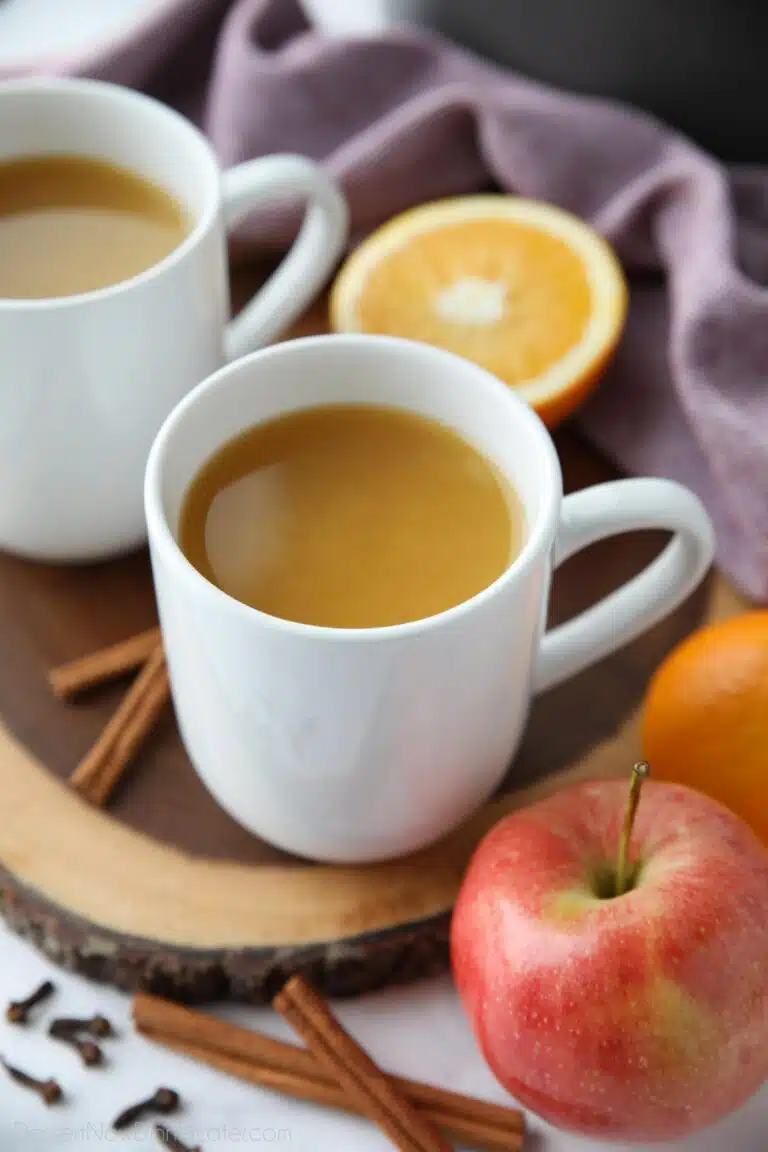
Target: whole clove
{"x": 49, "y": 1091}
{"x": 88, "y": 1050}
{"x": 97, "y": 1025}
{"x": 169, "y": 1140}
{"x": 18, "y": 1011}
{"x": 163, "y": 1101}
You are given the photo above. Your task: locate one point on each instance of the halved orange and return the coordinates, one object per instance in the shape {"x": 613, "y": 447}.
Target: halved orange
{"x": 520, "y": 287}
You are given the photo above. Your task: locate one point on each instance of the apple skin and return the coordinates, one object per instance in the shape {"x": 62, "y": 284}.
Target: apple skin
{"x": 643, "y": 1017}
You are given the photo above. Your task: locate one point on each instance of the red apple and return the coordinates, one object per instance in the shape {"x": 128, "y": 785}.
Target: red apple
{"x": 642, "y": 1016}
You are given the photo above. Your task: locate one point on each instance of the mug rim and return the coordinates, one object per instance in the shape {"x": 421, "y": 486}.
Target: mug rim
{"x": 539, "y": 538}
{"x": 107, "y": 91}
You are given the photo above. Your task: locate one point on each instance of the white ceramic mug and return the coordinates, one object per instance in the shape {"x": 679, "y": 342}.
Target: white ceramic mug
{"x": 87, "y": 380}
{"x": 354, "y": 745}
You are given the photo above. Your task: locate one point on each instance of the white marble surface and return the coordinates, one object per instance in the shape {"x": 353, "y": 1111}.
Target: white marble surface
{"x": 419, "y": 1032}
{"x": 34, "y": 30}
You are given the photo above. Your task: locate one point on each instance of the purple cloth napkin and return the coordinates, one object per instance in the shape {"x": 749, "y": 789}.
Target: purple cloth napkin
{"x": 409, "y": 117}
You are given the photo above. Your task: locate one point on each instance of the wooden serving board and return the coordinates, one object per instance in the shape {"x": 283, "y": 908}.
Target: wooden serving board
{"x": 166, "y": 892}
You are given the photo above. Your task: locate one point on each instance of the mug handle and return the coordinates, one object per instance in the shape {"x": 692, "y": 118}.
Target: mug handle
{"x": 262, "y": 183}
{"x": 608, "y": 510}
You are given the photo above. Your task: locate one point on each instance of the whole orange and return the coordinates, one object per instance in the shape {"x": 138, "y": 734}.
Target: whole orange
{"x": 705, "y": 721}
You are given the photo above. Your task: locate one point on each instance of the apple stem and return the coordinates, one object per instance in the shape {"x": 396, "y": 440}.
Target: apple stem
{"x": 640, "y": 772}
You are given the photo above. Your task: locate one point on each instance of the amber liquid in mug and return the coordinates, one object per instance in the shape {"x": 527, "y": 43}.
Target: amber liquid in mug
{"x": 351, "y": 516}
{"x": 72, "y": 224}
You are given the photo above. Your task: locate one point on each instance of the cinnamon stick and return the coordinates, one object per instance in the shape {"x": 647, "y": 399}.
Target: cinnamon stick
{"x": 273, "y": 1064}
{"x": 100, "y": 667}
{"x": 362, "y": 1080}
{"x": 99, "y": 772}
